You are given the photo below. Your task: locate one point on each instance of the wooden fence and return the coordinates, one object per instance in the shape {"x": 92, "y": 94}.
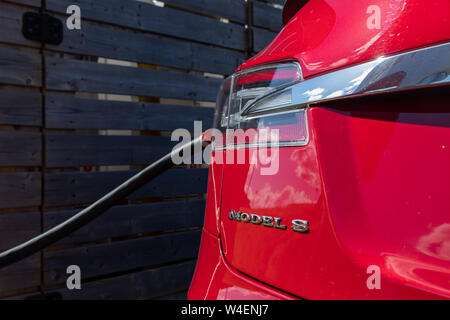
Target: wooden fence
{"x": 79, "y": 118}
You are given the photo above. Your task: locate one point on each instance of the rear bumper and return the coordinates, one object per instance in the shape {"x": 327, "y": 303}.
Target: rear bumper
{"x": 214, "y": 279}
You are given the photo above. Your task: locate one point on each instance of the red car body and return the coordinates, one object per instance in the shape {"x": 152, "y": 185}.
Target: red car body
{"x": 373, "y": 180}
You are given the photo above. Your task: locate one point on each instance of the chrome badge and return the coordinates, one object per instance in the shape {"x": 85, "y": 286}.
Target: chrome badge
{"x": 297, "y": 225}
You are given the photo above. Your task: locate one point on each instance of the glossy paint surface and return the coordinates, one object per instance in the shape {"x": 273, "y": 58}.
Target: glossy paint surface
{"x": 214, "y": 279}
{"x": 213, "y": 198}
{"x": 374, "y": 192}
{"x": 295, "y": 192}
{"x": 331, "y": 34}
{"x": 386, "y": 182}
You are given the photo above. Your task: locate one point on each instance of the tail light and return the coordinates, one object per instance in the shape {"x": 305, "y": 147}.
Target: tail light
{"x": 251, "y": 104}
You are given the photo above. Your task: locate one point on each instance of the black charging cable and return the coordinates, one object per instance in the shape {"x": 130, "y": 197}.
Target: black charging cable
{"x": 85, "y": 216}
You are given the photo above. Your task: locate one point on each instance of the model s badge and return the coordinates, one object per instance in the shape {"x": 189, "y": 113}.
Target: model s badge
{"x": 297, "y": 225}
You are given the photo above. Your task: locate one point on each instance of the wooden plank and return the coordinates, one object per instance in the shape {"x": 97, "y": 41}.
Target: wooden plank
{"x": 65, "y": 111}
{"x": 72, "y": 150}
{"x": 167, "y": 21}
{"x": 16, "y": 228}
{"x": 101, "y": 40}
{"x": 174, "y": 296}
{"x": 234, "y": 10}
{"x": 20, "y": 107}
{"x": 20, "y": 189}
{"x": 76, "y": 75}
{"x": 262, "y": 38}
{"x": 103, "y": 259}
{"x": 135, "y": 219}
{"x": 32, "y": 294}
{"x": 20, "y": 275}
{"x": 279, "y": 2}
{"x": 20, "y": 148}
{"x": 142, "y": 285}
{"x": 11, "y": 25}
{"x": 20, "y": 66}
{"x": 34, "y": 3}
{"x": 267, "y": 16}
{"x": 71, "y": 188}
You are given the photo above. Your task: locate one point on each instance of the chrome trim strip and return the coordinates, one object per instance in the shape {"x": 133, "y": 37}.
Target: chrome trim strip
{"x": 415, "y": 69}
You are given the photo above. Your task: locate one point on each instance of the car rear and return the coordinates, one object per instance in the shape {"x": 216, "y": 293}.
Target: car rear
{"x": 330, "y": 167}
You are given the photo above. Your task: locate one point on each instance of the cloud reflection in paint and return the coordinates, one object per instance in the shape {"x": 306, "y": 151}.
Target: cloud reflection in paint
{"x": 306, "y": 189}
{"x": 437, "y": 243}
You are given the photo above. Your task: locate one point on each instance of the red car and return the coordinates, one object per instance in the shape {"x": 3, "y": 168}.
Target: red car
{"x": 348, "y": 195}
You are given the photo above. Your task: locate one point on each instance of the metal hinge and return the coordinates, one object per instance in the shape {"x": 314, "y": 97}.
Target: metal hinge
{"x": 42, "y": 27}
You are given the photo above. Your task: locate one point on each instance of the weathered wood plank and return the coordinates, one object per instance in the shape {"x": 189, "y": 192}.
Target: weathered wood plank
{"x": 18, "y": 227}
{"x": 279, "y": 2}
{"x": 129, "y": 220}
{"x": 20, "y": 66}
{"x": 76, "y": 75}
{"x": 234, "y": 10}
{"x": 20, "y": 189}
{"x": 20, "y": 148}
{"x": 142, "y": 285}
{"x": 20, "y": 275}
{"x": 11, "y": 25}
{"x": 114, "y": 257}
{"x": 65, "y": 111}
{"x": 71, "y": 188}
{"x": 167, "y": 21}
{"x": 262, "y": 38}
{"x": 267, "y": 16}
{"x": 182, "y": 296}
{"x": 14, "y": 229}
{"x": 20, "y": 107}
{"x": 34, "y": 3}
{"x": 84, "y": 150}
{"x": 96, "y": 39}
